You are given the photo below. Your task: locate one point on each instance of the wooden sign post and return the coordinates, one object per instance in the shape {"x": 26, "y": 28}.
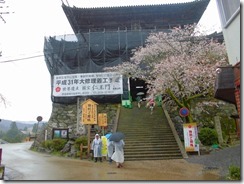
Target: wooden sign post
{"x": 89, "y": 117}
{"x": 102, "y": 120}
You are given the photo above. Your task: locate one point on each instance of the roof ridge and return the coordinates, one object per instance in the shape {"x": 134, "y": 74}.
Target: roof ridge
{"x": 131, "y": 6}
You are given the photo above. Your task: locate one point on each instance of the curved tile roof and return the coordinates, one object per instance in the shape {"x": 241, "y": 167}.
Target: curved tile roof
{"x": 161, "y": 16}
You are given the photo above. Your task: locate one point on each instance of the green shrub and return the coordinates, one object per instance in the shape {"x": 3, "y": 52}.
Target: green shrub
{"x": 208, "y": 136}
{"x": 58, "y": 144}
{"x": 234, "y": 173}
{"x": 79, "y": 141}
{"x": 47, "y": 144}
{"x": 55, "y": 144}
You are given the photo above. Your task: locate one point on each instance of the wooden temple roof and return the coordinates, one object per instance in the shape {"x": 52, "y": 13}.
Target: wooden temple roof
{"x": 163, "y": 16}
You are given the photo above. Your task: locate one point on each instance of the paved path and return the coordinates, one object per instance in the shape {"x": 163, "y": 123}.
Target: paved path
{"x": 220, "y": 159}
{"x": 24, "y": 164}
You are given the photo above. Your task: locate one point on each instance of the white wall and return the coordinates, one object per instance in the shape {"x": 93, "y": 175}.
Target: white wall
{"x": 232, "y": 40}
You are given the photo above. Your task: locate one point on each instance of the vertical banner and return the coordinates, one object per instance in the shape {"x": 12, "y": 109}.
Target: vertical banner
{"x": 102, "y": 119}
{"x": 89, "y": 112}
{"x": 191, "y": 137}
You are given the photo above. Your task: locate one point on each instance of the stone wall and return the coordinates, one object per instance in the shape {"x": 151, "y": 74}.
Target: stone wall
{"x": 65, "y": 116}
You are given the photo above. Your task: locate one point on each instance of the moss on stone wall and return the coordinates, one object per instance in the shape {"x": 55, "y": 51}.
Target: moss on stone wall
{"x": 65, "y": 116}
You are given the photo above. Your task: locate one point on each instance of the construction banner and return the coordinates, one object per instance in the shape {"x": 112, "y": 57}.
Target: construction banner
{"x": 87, "y": 84}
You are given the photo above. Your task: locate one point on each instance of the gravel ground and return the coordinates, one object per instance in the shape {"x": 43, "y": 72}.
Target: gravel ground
{"x": 219, "y": 159}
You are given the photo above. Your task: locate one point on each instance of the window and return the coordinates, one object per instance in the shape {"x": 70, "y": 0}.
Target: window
{"x": 228, "y": 10}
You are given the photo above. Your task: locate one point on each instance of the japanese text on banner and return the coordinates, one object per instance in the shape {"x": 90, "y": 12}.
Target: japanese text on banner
{"x": 87, "y": 84}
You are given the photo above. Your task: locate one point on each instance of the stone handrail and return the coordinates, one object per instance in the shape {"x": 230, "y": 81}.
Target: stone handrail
{"x": 117, "y": 119}
{"x": 171, "y": 124}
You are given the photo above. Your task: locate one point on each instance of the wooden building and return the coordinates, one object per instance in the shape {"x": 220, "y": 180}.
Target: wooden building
{"x": 105, "y": 37}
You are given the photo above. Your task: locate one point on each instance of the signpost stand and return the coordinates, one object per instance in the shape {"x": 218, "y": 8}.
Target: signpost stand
{"x": 39, "y": 119}
{"x": 78, "y": 115}
{"x": 89, "y": 117}
{"x": 190, "y": 133}
{"x": 88, "y": 140}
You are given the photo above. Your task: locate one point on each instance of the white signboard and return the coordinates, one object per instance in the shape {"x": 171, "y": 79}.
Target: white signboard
{"x": 87, "y": 84}
{"x": 191, "y": 137}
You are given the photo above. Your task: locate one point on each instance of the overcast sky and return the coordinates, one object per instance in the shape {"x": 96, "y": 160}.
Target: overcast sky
{"x": 26, "y": 82}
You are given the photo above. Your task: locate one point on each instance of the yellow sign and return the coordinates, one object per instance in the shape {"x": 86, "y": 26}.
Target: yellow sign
{"x": 102, "y": 119}
{"x": 89, "y": 112}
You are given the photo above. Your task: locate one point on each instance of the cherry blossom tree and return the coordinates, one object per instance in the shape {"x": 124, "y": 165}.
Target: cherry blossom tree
{"x": 179, "y": 64}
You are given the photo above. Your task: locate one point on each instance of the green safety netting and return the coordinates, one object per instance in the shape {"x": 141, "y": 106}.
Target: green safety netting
{"x": 90, "y": 53}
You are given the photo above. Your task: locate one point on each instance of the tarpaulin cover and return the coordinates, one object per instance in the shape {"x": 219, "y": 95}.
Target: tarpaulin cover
{"x": 90, "y": 53}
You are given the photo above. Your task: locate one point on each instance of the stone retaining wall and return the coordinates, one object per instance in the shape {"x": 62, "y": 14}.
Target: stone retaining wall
{"x": 65, "y": 116}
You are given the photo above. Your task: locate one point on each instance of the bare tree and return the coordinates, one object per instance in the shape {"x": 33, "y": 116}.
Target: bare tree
{"x": 3, "y": 100}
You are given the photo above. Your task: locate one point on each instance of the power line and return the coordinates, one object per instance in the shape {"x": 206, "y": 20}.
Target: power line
{"x": 12, "y": 60}
{"x": 25, "y": 58}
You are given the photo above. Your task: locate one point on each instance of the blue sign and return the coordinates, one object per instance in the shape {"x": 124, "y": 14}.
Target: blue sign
{"x": 184, "y": 112}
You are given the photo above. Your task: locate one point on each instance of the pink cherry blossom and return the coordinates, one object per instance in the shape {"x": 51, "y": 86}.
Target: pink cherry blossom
{"x": 179, "y": 64}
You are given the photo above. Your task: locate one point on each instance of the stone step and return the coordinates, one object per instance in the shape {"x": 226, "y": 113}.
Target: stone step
{"x": 145, "y": 140}
{"x": 154, "y": 156}
{"x": 152, "y": 152}
{"x": 147, "y": 149}
{"x": 148, "y": 132}
{"x": 153, "y": 141}
{"x": 168, "y": 157}
{"x": 148, "y": 146}
{"x": 145, "y": 125}
{"x": 146, "y": 129}
{"x": 147, "y": 137}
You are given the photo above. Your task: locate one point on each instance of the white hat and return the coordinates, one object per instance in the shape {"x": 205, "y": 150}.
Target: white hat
{"x": 97, "y": 135}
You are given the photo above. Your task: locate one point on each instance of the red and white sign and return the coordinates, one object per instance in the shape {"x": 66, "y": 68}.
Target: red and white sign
{"x": 191, "y": 137}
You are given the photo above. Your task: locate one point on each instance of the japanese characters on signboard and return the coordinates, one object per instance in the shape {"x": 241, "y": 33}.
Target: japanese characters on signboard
{"x": 87, "y": 84}
{"x": 102, "y": 119}
{"x": 191, "y": 137}
{"x": 89, "y": 112}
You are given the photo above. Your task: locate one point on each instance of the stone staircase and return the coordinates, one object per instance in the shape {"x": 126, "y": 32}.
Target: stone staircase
{"x": 147, "y": 136}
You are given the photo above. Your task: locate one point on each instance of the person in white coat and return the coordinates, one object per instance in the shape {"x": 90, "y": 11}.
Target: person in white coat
{"x": 110, "y": 150}
{"x": 97, "y": 148}
{"x": 118, "y": 155}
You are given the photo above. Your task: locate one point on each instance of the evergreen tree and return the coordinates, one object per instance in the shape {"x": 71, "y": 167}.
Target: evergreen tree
{"x": 14, "y": 135}
{"x": 1, "y": 134}
{"x": 34, "y": 129}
